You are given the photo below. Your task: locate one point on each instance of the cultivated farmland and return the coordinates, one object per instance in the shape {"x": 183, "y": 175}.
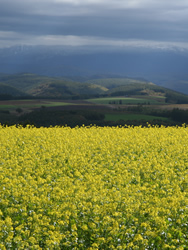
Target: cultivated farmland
{"x": 94, "y": 188}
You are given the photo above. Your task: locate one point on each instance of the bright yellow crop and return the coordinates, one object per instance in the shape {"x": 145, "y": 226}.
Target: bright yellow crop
{"x": 94, "y": 188}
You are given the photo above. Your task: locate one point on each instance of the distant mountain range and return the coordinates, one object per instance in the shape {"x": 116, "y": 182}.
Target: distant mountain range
{"x": 164, "y": 68}
{"x": 28, "y": 85}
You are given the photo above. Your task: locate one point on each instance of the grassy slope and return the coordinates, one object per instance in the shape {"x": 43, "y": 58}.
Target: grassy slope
{"x": 50, "y": 87}
{"x": 118, "y": 86}
{"x": 23, "y": 81}
{"x": 61, "y": 87}
{"x": 116, "y": 82}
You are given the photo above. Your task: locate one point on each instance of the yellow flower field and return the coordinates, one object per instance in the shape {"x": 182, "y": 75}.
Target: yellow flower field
{"x": 94, "y": 188}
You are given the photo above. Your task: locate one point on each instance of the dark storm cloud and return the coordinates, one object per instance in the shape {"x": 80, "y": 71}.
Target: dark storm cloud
{"x": 94, "y": 22}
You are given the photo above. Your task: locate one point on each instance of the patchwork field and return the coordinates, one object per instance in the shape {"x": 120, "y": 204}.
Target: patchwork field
{"x": 107, "y": 111}
{"x": 94, "y": 188}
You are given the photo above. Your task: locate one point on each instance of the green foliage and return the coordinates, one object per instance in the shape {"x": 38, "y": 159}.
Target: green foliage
{"x": 127, "y": 116}
{"x": 174, "y": 97}
{"x": 7, "y": 118}
{"x": 179, "y": 115}
{"x": 19, "y": 110}
{"x": 4, "y": 97}
{"x": 47, "y": 117}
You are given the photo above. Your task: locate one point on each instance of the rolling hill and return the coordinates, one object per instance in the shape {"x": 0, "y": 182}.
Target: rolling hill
{"x": 165, "y": 68}
{"x": 130, "y": 86}
{"x": 49, "y": 87}
{"x": 36, "y": 86}
{"x": 7, "y": 90}
{"x": 114, "y": 82}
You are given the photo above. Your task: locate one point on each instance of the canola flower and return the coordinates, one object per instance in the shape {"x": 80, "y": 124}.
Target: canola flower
{"x": 94, "y": 188}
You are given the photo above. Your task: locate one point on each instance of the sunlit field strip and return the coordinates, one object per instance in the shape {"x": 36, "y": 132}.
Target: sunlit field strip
{"x": 124, "y": 100}
{"x": 94, "y": 188}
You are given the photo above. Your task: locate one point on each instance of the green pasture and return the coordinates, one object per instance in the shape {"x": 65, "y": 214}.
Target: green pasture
{"x": 138, "y": 117}
{"x": 124, "y": 100}
{"x": 54, "y": 104}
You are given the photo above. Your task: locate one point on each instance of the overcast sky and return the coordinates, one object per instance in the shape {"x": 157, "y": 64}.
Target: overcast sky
{"x": 117, "y": 24}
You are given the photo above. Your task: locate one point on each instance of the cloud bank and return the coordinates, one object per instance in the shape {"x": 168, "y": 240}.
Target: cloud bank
{"x": 119, "y": 24}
